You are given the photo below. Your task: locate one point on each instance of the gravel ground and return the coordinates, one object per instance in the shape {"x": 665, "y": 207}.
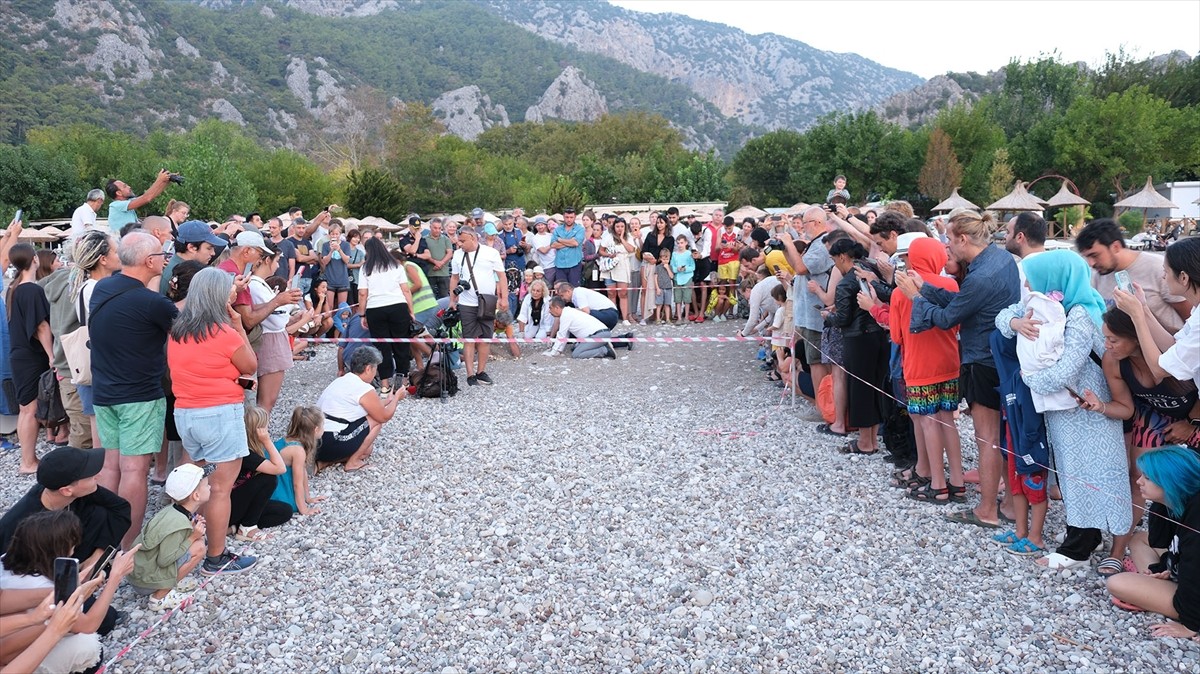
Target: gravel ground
{"x": 577, "y": 517}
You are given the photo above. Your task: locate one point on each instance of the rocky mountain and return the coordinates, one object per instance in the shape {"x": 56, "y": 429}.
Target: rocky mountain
{"x": 760, "y": 80}
{"x": 295, "y": 71}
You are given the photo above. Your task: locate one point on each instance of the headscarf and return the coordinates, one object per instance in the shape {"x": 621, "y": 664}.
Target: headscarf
{"x": 927, "y": 257}
{"x": 1066, "y": 272}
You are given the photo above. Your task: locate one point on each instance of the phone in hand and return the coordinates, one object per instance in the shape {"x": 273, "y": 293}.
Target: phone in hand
{"x": 17, "y": 217}
{"x": 1123, "y": 281}
{"x": 66, "y": 578}
{"x": 247, "y": 382}
{"x": 1075, "y": 395}
{"x": 249, "y": 269}
{"x": 864, "y": 286}
{"x": 103, "y": 564}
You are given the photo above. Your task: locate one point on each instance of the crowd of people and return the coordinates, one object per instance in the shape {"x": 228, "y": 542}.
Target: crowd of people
{"x": 168, "y": 341}
{"x": 1081, "y": 383}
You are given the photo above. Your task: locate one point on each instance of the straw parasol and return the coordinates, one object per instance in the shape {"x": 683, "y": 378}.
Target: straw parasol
{"x": 1146, "y": 199}
{"x": 36, "y": 236}
{"x": 380, "y": 224}
{"x": 797, "y": 209}
{"x": 1017, "y": 200}
{"x": 955, "y": 201}
{"x": 748, "y": 211}
{"x": 53, "y": 231}
{"x": 1066, "y": 197}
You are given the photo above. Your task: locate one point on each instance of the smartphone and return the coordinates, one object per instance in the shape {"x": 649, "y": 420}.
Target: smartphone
{"x": 103, "y": 564}
{"x": 1123, "y": 281}
{"x": 66, "y": 578}
{"x": 864, "y": 286}
{"x": 249, "y": 269}
{"x": 247, "y": 383}
{"x": 1074, "y": 394}
{"x": 20, "y": 212}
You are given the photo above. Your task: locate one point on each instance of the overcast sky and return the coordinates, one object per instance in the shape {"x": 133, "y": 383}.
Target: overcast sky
{"x": 931, "y": 38}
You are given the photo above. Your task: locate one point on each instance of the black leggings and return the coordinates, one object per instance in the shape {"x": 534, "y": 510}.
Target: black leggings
{"x": 250, "y": 504}
{"x": 1079, "y": 543}
{"x": 393, "y": 320}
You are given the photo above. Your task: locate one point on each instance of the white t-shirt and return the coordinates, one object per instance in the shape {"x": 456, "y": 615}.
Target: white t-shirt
{"x": 546, "y": 260}
{"x": 486, "y": 262}
{"x": 341, "y": 399}
{"x": 83, "y": 219}
{"x": 261, "y": 293}
{"x": 586, "y": 298}
{"x": 682, "y": 229}
{"x": 1183, "y": 359}
{"x": 383, "y": 286}
{"x": 12, "y": 581}
{"x": 86, "y": 291}
{"x": 575, "y": 323}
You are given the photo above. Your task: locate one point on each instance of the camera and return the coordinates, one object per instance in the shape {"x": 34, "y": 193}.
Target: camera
{"x": 772, "y": 246}
{"x": 175, "y": 178}
{"x": 462, "y": 287}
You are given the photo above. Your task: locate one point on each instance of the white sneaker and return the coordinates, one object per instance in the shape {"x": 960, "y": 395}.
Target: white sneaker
{"x": 626, "y": 322}
{"x": 173, "y": 600}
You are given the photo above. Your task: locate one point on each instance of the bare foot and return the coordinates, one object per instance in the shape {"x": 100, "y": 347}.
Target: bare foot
{"x": 27, "y": 470}
{"x": 352, "y": 467}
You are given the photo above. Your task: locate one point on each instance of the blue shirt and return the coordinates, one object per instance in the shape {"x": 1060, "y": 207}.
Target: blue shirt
{"x": 684, "y": 260}
{"x": 569, "y": 256}
{"x": 805, "y": 312}
{"x": 119, "y": 215}
{"x": 992, "y": 284}
{"x": 513, "y": 240}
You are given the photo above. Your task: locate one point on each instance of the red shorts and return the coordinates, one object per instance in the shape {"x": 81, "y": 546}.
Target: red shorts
{"x": 1032, "y": 485}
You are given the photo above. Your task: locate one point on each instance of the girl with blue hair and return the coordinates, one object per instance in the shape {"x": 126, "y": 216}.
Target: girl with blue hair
{"x": 1167, "y": 580}
{"x": 1088, "y": 446}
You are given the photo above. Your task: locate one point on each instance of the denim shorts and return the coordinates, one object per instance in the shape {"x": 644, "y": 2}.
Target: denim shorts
{"x": 134, "y": 428}
{"x": 213, "y": 434}
{"x": 85, "y": 399}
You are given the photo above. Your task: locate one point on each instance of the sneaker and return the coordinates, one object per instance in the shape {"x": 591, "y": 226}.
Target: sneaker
{"x": 611, "y": 352}
{"x": 484, "y": 378}
{"x": 227, "y": 563}
{"x": 472, "y": 381}
{"x": 173, "y": 600}
{"x": 642, "y": 322}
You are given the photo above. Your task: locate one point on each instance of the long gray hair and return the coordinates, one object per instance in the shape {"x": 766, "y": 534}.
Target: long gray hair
{"x": 204, "y": 311}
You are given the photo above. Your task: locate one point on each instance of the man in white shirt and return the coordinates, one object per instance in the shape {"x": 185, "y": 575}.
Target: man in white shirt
{"x": 84, "y": 217}
{"x": 571, "y": 322}
{"x": 482, "y": 269}
{"x": 589, "y": 302}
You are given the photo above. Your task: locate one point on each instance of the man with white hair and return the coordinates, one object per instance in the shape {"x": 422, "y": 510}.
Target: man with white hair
{"x": 128, "y": 325}
{"x": 84, "y": 217}
{"x": 246, "y": 250}
{"x": 482, "y": 270}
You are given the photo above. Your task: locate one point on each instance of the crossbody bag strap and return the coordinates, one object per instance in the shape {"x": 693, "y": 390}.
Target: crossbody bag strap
{"x": 471, "y": 268}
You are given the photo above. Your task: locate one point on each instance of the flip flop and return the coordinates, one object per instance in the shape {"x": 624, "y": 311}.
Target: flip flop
{"x": 1126, "y": 606}
{"x": 824, "y": 428}
{"x": 852, "y": 448}
{"x": 1109, "y": 566}
{"x": 968, "y": 516}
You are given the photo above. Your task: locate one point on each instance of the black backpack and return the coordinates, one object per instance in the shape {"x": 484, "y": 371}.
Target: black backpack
{"x": 898, "y": 437}
{"x": 430, "y": 382}
{"x": 50, "y": 412}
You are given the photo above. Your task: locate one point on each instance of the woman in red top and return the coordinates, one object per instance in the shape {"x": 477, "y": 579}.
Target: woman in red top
{"x": 931, "y": 363}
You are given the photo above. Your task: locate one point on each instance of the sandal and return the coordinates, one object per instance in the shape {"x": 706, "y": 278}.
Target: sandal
{"x": 968, "y": 516}
{"x": 1124, "y": 605}
{"x": 1059, "y": 562}
{"x": 927, "y": 494}
{"x": 958, "y": 494}
{"x": 1109, "y": 566}
{"x": 853, "y": 448}
{"x": 827, "y": 430}
{"x": 250, "y": 535}
{"x": 907, "y": 479}
{"x": 1024, "y": 548}
{"x": 774, "y": 376}
{"x": 1006, "y": 539}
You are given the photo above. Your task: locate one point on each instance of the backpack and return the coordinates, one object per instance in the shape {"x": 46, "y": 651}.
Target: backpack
{"x": 898, "y": 437}
{"x": 429, "y": 382}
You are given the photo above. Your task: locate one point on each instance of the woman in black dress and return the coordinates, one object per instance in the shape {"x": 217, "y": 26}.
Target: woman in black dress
{"x": 31, "y": 346}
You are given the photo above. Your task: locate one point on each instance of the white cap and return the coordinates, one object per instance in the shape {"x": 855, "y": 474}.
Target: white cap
{"x": 905, "y": 240}
{"x": 184, "y": 479}
{"x": 253, "y": 240}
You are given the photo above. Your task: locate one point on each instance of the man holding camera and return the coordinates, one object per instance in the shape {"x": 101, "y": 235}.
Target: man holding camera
{"x": 477, "y": 279}
{"x": 123, "y": 209}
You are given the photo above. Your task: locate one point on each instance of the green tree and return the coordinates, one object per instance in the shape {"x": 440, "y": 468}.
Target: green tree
{"x": 975, "y": 138}
{"x": 878, "y": 158}
{"x": 375, "y": 192}
{"x": 941, "y": 172}
{"x": 38, "y": 181}
{"x": 1033, "y": 90}
{"x": 702, "y": 178}
{"x": 763, "y": 168}
{"x": 285, "y": 178}
{"x": 1115, "y": 142}
{"x": 564, "y": 194}
{"x": 1000, "y": 178}
{"x": 214, "y": 187}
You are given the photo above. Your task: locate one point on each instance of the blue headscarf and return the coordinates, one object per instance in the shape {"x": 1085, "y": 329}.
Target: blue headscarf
{"x": 1066, "y": 272}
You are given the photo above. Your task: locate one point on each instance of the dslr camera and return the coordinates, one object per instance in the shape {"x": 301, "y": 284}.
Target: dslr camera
{"x": 175, "y": 178}
{"x": 462, "y": 287}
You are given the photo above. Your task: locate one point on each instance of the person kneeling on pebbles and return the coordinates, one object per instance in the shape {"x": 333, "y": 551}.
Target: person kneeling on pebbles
{"x": 572, "y": 322}
{"x": 172, "y": 542}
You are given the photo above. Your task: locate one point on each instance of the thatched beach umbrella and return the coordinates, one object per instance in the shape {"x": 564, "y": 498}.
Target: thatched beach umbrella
{"x": 748, "y": 212}
{"x": 1145, "y": 200}
{"x": 53, "y": 231}
{"x": 955, "y": 201}
{"x": 1017, "y": 200}
{"x": 1066, "y": 197}
{"x": 36, "y": 236}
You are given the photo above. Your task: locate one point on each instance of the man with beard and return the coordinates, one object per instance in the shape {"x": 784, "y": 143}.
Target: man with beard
{"x": 123, "y": 208}
{"x": 1103, "y": 246}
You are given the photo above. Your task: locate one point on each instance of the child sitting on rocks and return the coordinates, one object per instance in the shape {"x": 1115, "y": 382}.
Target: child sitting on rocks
{"x": 299, "y": 451}
{"x": 172, "y": 542}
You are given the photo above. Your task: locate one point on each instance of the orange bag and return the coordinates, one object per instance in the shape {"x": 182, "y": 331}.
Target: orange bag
{"x": 825, "y": 399}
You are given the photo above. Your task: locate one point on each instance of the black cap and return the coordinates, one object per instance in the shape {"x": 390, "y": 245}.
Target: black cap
{"x": 568, "y": 209}
{"x": 65, "y": 465}
{"x": 414, "y": 221}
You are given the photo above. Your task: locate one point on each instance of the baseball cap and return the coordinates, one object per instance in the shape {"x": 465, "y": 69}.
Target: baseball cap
{"x": 252, "y": 240}
{"x": 539, "y": 218}
{"x": 414, "y": 221}
{"x": 64, "y": 465}
{"x": 568, "y": 209}
{"x": 184, "y": 479}
{"x": 490, "y": 229}
{"x": 477, "y": 213}
{"x": 197, "y": 231}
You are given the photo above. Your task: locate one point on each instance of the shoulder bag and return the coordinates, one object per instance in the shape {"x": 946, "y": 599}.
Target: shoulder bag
{"x": 77, "y": 345}
{"x": 487, "y": 303}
